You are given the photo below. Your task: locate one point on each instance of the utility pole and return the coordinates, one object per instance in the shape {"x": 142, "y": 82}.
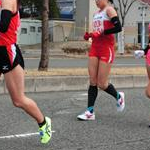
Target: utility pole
{"x": 143, "y": 27}
{"x": 143, "y": 8}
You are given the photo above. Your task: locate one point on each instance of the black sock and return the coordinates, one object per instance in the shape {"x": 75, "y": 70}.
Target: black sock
{"x": 92, "y": 95}
{"x": 42, "y": 123}
{"x": 112, "y": 91}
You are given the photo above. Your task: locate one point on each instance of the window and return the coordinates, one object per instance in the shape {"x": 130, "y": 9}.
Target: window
{"x": 39, "y": 29}
{"x": 32, "y": 29}
{"x": 23, "y": 30}
{"x": 140, "y": 32}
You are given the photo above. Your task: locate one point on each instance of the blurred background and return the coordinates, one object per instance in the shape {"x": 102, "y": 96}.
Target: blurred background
{"x": 69, "y": 19}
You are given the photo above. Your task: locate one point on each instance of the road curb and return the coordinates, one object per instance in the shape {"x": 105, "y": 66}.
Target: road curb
{"x": 71, "y": 56}
{"x": 72, "y": 83}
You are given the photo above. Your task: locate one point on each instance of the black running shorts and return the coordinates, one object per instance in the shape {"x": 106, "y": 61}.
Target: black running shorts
{"x": 10, "y": 57}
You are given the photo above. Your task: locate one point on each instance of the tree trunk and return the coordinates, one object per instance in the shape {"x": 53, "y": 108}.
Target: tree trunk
{"x": 43, "y": 65}
{"x": 121, "y": 42}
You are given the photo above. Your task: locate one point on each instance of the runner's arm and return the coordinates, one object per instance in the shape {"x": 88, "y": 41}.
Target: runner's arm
{"x": 6, "y": 14}
{"x": 115, "y": 20}
{"x": 5, "y": 20}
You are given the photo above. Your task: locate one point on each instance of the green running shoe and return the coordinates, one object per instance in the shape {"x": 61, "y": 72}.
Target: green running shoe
{"x": 46, "y": 131}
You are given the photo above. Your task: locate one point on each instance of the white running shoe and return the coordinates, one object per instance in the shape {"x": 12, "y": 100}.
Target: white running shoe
{"x": 86, "y": 116}
{"x": 121, "y": 102}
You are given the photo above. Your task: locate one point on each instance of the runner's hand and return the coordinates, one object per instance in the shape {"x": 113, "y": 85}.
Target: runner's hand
{"x": 86, "y": 36}
{"x": 95, "y": 35}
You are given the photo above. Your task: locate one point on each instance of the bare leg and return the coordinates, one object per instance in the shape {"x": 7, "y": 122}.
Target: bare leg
{"x": 93, "y": 70}
{"x": 103, "y": 83}
{"x": 103, "y": 74}
{"x": 93, "y": 90}
{"x": 15, "y": 84}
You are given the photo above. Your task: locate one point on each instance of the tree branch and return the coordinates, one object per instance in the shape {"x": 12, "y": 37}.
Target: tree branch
{"x": 128, "y": 8}
{"x": 121, "y": 13}
{"x": 124, "y": 7}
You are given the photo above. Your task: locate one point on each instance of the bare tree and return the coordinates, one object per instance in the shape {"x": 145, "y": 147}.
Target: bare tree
{"x": 123, "y": 7}
{"x": 43, "y": 65}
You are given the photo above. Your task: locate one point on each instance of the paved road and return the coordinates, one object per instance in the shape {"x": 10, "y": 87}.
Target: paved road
{"x": 82, "y": 63}
{"x": 110, "y": 131}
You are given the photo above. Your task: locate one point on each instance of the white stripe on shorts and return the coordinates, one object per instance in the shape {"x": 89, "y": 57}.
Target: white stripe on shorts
{"x": 110, "y": 55}
{"x": 13, "y": 48}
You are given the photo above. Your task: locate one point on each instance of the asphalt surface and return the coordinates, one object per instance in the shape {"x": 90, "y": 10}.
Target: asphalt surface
{"x": 82, "y": 63}
{"x": 110, "y": 131}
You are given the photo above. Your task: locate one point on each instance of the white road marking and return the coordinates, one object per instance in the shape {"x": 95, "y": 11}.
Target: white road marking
{"x": 20, "y": 135}
{"x": 61, "y": 112}
{"x": 84, "y": 94}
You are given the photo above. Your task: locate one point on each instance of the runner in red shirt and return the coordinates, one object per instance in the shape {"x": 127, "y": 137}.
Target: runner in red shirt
{"x": 140, "y": 54}
{"x": 101, "y": 56}
{"x": 12, "y": 65}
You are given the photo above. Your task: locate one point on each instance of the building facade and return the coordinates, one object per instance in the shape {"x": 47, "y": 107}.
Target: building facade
{"x": 31, "y": 31}
{"x": 61, "y": 30}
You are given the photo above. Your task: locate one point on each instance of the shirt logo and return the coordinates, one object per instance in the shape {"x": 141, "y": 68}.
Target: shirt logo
{"x": 5, "y": 68}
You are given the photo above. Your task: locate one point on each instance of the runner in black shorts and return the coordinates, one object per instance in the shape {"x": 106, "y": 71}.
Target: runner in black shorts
{"x": 12, "y": 65}
{"x": 5, "y": 63}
